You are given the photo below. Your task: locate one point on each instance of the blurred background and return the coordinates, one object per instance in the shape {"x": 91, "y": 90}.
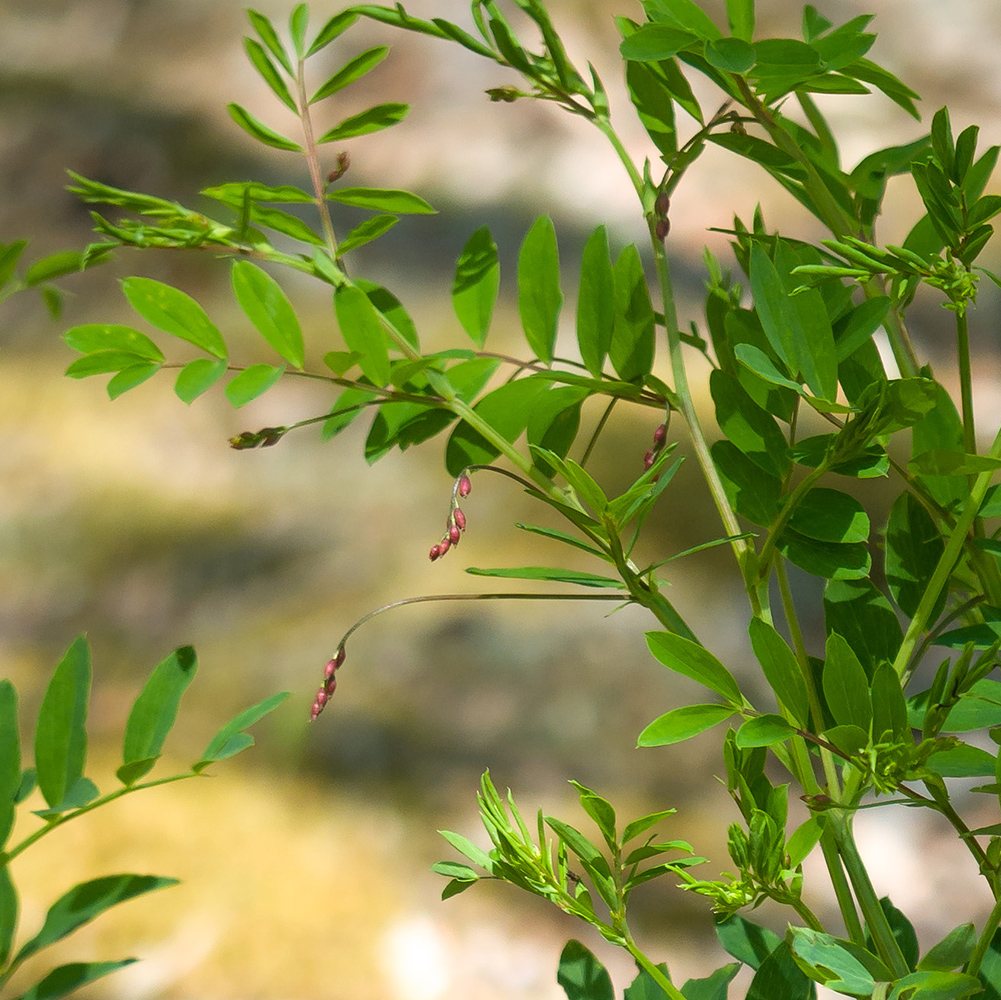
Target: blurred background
{"x": 305, "y": 863}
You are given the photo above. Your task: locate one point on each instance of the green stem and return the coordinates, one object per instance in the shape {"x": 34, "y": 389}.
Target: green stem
{"x": 945, "y": 566}
{"x": 972, "y": 967}
{"x": 875, "y": 919}
{"x": 966, "y": 382}
{"x": 842, "y": 891}
{"x": 651, "y": 969}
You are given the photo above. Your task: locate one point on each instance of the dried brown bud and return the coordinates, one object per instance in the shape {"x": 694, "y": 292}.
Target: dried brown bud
{"x": 661, "y": 205}
{"x": 343, "y": 162}
{"x": 459, "y": 518}
{"x": 662, "y": 228}
{"x": 464, "y": 486}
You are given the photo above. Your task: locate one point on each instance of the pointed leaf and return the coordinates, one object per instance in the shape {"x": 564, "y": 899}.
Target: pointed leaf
{"x": 10, "y": 769}
{"x": 269, "y": 36}
{"x": 94, "y": 337}
{"x": 582, "y": 976}
{"x": 232, "y": 738}
{"x": 539, "y": 295}
{"x": 268, "y": 308}
{"x": 367, "y": 231}
{"x": 846, "y": 687}
{"x": 375, "y": 119}
{"x": 263, "y": 64}
{"x": 595, "y": 302}
{"x": 779, "y": 665}
{"x": 86, "y": 901}
{"x": 67, "y": 978}
{"x": 631, "y": 350}
{"x": 256, "y": 128}
{"x": 171, "y": 310}
{"x": 155, "y": 710}
{"x": 682, "y": 724}
{"x": 477, "y": 282}
{"x": 763, "y": 731}
{"x": 251, "y": 383}
{"x": 9, "y": 908}
{"x": 382, "y": 200}
{"x": 363, "y": 63}
{"x": 131, "y": 376}
{"x": 692, "y": 660}
{"x": 61, "y": 734}
{"x": 336, "y": 26}
{"x": 830, "y": 516}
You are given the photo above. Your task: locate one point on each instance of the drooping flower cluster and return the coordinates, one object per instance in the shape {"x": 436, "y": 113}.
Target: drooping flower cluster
{"x": 456, "y": 522}
{"x": 659, "y": 437}
{"x": 329, "y": 685}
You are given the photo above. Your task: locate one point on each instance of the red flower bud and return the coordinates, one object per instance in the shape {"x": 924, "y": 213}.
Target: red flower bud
{"x": 328, "y": 670}
{"x": 660, "y": 434}
{"x": 435, "y": 552}
{"x": 453, "y": 534}
{"x": 464, "y": 486}
{"x": 443, "y": 546}
{"x": 459, "y": 518}
{"x": 331, "y": 686}
{"x": 321, "y": 697}
{"x": 648, "y": 459}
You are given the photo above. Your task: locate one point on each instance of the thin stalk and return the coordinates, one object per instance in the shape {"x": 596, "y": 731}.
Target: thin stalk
{"x": 972, "y": 967}
{"x": 940, "y": 577}
{"x": 843, "y": 892}
{"x": 651, "y": 969}
{"x": 313, "y": 161}
{"x": 966, "y": 382}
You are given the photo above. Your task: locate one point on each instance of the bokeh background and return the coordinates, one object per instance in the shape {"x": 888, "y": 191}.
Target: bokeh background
{"x": 305, "y": 863}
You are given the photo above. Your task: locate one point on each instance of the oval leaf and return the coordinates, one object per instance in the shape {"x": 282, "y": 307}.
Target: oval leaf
{"x": 383, "y": 200}
{"x": 477, "y": 282}
{"x": 373, "y": 120}
{"x": 539, "y": 295}
{"x": 682, "y": 724}
{"x": 173, "y": 311}
{"x": 692, "y": 660}
{"x": 196, "y": 377}
{"x": 362, "y": 331}
{"x": 110, "y": 337}
{"x": 251, "y": 383}
{"x": 268, "y": 308}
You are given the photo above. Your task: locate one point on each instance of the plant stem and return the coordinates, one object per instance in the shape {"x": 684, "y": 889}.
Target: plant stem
{"x": 313, "y": 161}
{"x": 651, "y": 969}
{"x": 972, "y": 967}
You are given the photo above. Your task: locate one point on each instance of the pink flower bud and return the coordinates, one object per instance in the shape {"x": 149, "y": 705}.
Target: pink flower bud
{"x": 443, "y": 546}
{"x": 328, "y": 670}
{"x": 464, "y": 486}
{"x": 660, "y": 434}
{"x": 339, "y": 658}
{"x": 321, "y": 697}
{"x": 459, "y": 518}
{"x": 648, "y": 459}
{"x": 435, "y": 552}
{"x": 330, "y": 686}
{"x": 453, "y": 534}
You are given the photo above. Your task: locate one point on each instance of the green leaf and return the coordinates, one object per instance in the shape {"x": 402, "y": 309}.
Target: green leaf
{"x": 780, "y": 976}
{"x": 582, "y": 976}
{"x": 375, "y": 119}
{"x": 830, "y": 560}
{"x": 263, "y": 64}
{"x": 939, "y": 462}
{"x": 93, "y": 337}
{"x": 131, "y": 376}
{"x": 477, "y": 282}
{"x": 10, "y": 253}
{"x": 654, "y": 42}
{"x": 631, "y": 350}
{"x": 652, "y": 98}
{"x": 692, "y": 660}
{"x": 232, "y": 738}
{"x": 683, "y": 723}
{"x": 856, "y": 610}
{"x": 298, "y": 22}
{"x": 234, "y": 194}
{"x": 367, "y": 231}
{"x": 754, "y": 432}
{"x": 9, "y": 908}
{"x": 712, "y": 987}
{"x": 67, "y": 978}
{"x": 600, "y": 810}
{"x": 827, "y": 961}
{"x": 102, "y": 362}
{"x": 269, "y": 36}
{"x": 803, "y": 840}
{"x": 61, "y": 733}
{"x": 740, "y": 14}
{"x": 846, "y": 687}
{"x": 952, "y": 951}
{"x": 198, "y": 376}
{"x": 10, "y": 772}
{"x": 552, "y": 575}
{"x": 749, "y": 943}
{"x": 941, "y": 429}
{"x": 268, "y": 308}
{"x": 389, "y": 308}
{"x": 963, "y": 761}
{"x": 889, "y": 707}
{"x": 468, "y": 849}
{"x": 754, "y": 493}
{"x": 172, "y": 311}
{"x": 730, "y": 55}
{"x": 539, "y": 295}
{"x": 641, "y": 825}
{"x": 155, "y": 710}
{"x": 937, "y": 986}
{"x": 336, "y": 26}
{"x": 763, "y": 731}
{"x": 252, "y": 382}
{"x": 507, "y": 410}
{"x": 797, "y": 326}
{"x": 830, "y": 516}
{"x": 86, "y": 901}
{"x": 258, "y": 130}
{"x": 456, "y": 870}
{"x": 351, "y": 71}
{"x": 362, "y": 331}
{"x": 685, "y": 14}
{"x": 382, "y": 200}
{"x": 781, "y": 670}
{"x": 913, "y": 549}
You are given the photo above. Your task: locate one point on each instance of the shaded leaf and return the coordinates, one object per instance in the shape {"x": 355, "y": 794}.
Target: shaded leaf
{"x": 476, "y": 284}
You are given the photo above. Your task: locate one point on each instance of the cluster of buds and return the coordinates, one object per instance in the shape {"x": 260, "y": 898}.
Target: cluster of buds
{"x": 661, "y": 207}
{"x": 343, "y": 162}
{"x": 456, "y": 522}
{"x": 659, "y": 437}
{"x": 329, "y": 685}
